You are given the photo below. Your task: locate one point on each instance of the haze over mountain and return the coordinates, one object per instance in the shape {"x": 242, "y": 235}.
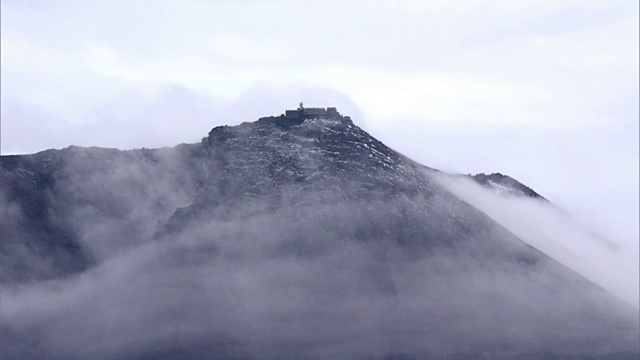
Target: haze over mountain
{"x": 294, "y": 236}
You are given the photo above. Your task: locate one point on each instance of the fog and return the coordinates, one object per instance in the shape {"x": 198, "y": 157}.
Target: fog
{"x": 608, "y": 258}
{"x": 145, "y": 254}
{"x": 299, "y": 272}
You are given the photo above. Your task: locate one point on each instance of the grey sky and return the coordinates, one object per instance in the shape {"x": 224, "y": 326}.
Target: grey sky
{"x": 545, "y": 91}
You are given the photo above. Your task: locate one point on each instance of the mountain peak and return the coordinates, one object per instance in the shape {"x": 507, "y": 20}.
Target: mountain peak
{"x": 312, "y": 118}
{"x": 302, "y": 145}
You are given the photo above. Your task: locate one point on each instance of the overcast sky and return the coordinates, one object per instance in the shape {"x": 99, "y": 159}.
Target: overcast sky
{"x": 544, "y": 91}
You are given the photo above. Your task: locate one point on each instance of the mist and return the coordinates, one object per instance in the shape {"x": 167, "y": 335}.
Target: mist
{"x": 608, "y": 258}
{"x": 300, "y": 271}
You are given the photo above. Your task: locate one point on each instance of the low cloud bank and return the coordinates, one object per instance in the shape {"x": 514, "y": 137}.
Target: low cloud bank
{"x": 311, "y": 272}
{"x": 609, "y": 261}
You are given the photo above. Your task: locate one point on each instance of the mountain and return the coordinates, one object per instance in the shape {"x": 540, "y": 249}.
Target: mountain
{"x": 295, "y": 236}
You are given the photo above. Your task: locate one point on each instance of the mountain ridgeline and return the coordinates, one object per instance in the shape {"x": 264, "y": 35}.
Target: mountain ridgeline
{"x": 294, "y": 236}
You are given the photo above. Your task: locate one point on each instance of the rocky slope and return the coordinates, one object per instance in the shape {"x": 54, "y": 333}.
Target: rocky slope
{"x": 505, "y": 185}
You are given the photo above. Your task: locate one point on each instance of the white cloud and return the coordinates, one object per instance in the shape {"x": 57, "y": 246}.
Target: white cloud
{"x": 609, "y": 262}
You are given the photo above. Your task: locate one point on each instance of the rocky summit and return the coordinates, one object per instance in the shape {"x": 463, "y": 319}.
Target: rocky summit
{"x": 297, "y": 236}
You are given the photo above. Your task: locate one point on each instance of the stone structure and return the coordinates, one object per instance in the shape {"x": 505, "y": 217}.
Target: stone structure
{"x": 292, "y": 114}
{"x": 307, "y": 113}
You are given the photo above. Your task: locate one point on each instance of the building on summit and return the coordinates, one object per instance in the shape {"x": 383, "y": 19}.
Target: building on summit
{"x": 306, "y": 113}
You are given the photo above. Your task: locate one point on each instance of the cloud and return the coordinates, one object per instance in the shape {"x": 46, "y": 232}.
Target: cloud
{"x": 469, "y": 72}
{"x": 238, "y": 286}
{"x": 608, "y": 262}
